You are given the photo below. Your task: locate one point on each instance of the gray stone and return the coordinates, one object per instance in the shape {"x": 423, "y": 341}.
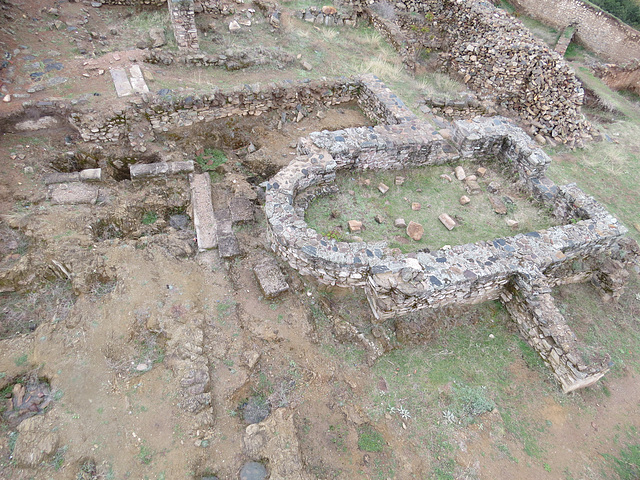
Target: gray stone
{"x": 241, "y": 209}
{"x": 234, "y": 26}
{"x": 270, "y": 277}
{"x": 137, "y": 80}
{"x": 228, "y": 246}
{"x": 464, "y": 200}
{"x": 90, "y": 175}
{"x": 498, "y": 205}
{"x": 307, "y": 66}
{"x": 140, "y": 170}
{"x": 459, "y": 171}
{"x": 203, "y": 218}
{"x": 180, "y": 222}
{"x": 73, "y": 194}
{"x": 253, "y": 471}
{"x": 36, "y": 441}
{"x": 383, "y": 188}
{"x": 62, "y": 178}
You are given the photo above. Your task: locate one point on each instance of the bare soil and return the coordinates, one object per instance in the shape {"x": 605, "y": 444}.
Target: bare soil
{"x": 111, "y": 338}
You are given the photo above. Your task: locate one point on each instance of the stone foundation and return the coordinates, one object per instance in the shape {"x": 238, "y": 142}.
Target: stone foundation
{"x": 517, "y": 270}
{"x": 183, "y": 21}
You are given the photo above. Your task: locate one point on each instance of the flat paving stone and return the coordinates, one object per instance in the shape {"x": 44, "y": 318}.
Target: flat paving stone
{"x": 270, "y": 277}
{"x": 121, "y": 82}
{"x": 73, "y": 194}
{"x": 228, "y": 246}
{"x": 241, "y": 209}
{"x": 137, "y": 80}
{"x": 203, "y": 218}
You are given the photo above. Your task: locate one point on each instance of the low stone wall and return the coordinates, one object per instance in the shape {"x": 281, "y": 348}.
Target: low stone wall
{"x": 597, "y": 30}
{"x": 136, "y": 3}
{"x": 183, "y": 21}
{"x": 511, "y": 269}
{"x": 166, "y": 112}
{"x": 327, "y": 16}
{"x": 230, "y": 60}
{"x": 620, "y": 77}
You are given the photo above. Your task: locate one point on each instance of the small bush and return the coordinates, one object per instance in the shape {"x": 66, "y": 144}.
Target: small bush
{"x": 149, "y": 218}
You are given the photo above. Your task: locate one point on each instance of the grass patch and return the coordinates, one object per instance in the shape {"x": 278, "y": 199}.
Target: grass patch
{"x": 370, "y": 440}
{"x": 440, "y": 85}
{"x": 149, "y": 218}
{"x": 359, "y": 199}
{"x": 210, "y": 160}
{"x": 627, "y": 464}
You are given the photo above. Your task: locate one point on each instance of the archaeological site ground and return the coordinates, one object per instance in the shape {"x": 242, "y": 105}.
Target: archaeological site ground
{"x": 249, "y": 239}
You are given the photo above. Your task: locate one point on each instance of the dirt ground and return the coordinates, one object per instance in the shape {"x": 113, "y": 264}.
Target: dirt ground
{"x": 136, "y": 357}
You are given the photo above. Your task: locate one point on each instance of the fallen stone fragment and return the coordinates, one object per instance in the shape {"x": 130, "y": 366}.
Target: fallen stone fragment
{"x": 383, "y": 188}
{"x": 241, "y": 210}
{"x": 481, "y": 171}
{"x": 73, "y": 194}
{"x": 234, "y": 26}
{"x": 446, "y": 177}
{"x": 512, "y": 223}
{"x": 400, "y": 223}
{"x": 459, "y": 171}
{"x": 498, "y": 205}
{"x": 139, "y": 170}
{"x": 415, "y": 231}
{"x": 399, "y": 180}
{"x": 354, "y": 226}
{"x": 464, "y": 200}
{"x": 471, "y": 178}
{"x": 6, "y": 98}
{"x": 36, "y": 441}
{"x": 447, "y": 221}
{"x": 472, "y": 187}
{"x": 329, "y": 10}
{"x": 203, "y": 218}
{"x": 415, "y": 206}
{"x": 493, "y": 187}
{"x": 270, "y": 278}
{"x": 379, "y": 219}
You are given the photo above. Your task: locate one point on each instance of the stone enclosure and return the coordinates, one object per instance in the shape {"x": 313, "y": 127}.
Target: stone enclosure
{"x": 519, "y": 271}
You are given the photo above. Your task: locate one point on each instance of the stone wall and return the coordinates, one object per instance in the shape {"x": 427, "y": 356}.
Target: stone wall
{"x": 327, "y": 16}
{"x": 183, "y": 21}
{"x": 136, "y": 3}
{"x": 596, "y": 29}
{"x": 229, "y": 60}
{"x": 498, "y": 58}
{"x": 518, "y": 270}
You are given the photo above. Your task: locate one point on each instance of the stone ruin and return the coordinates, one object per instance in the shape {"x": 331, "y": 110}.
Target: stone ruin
{"x": 519, "y": 271}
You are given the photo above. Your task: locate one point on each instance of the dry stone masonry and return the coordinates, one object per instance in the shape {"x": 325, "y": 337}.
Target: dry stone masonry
{"x": 183, "y": 21}
{"x": 498, "y": 58}
{"x": 518, "y": 271}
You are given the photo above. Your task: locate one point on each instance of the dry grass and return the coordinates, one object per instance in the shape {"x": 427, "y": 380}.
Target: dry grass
{"x": 440, "y": 85}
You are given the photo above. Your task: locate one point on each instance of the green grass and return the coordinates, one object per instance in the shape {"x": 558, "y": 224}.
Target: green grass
{"x": 370, "y": 440}
{"x": 477, "y": 220}
{"x": 149, "y": 218}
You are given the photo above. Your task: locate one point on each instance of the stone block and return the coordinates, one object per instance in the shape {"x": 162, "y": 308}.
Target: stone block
{"x": 73, "y": 194}
{"x": 447, "y": 221}
{"x": 270, "y": 277}
{"x": 203, "y": 218}
{"x": 241, "y": 209}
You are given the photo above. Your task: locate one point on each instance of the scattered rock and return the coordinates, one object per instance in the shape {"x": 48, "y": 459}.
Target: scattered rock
{"x": 472, "y": 187}
{"x": 234, "y": 26}
{"x": 355, "y": 226}
{"x": 472, "y": 178}
{"x": 415, "y": 231}
{"x": 498, "y": 205}
{"x": 307, "y": 66}
{"x": 415, "y": 206}
{"x": 36, "y": 441}
{"x": 540, "y": 139}
{"x": 270, "y": 278}
{"x": 253, "y": 471}
{"x": 329, "y": 10}
{"x": 383, "y": 188}
{"x": 481, "y": 172}
{"x": 512, "y": 223}
{"x": 493, "y": 187}
{"x": 464, "y": 200}
{"x": 158, "y": 37}
{"x": 447, "y": 221}
{"x": 399, "y": 180}
{"x": 459, "y": 171}
{"x": 400, "y": 223}
{"x": 6, "y": 98}
{"x": 379, "y": 219}
{"x": 446, "y": 177}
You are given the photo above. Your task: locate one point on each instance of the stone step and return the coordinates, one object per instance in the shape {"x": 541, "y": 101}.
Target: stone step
{"x": 203, "y": 218}
{"x": 121, "y": 82}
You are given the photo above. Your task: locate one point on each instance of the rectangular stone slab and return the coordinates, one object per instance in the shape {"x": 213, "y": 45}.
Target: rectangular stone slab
{"x": 73, "y": 194}
{"x": 121, "y": 82}
{"x": 203, "y": 218}
{"x": 241, "y": 209}
{"x": 137, "y": 80}
{"x": 270, "y": 278}
{"x": 160, "y": 168}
